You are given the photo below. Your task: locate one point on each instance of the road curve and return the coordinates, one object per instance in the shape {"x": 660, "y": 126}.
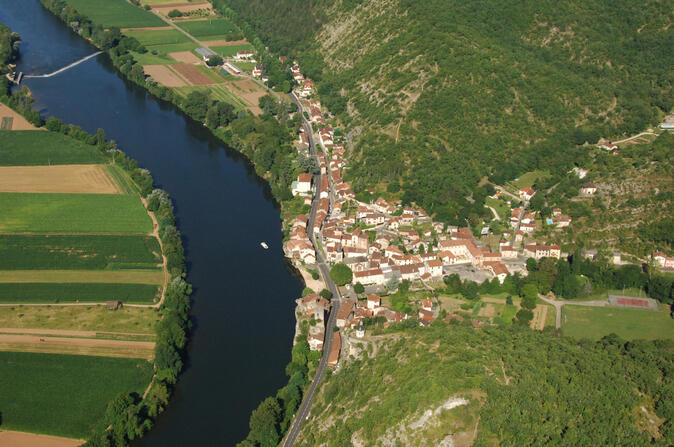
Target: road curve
{"x": 324, "y": 271}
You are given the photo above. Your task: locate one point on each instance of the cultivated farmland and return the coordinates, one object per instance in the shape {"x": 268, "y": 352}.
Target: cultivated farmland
{"x": 77, "y": 292}
{"x": 82, "y": 179}
{"x": 115, "y": 13}
{"x": 73, "y": 213}
{"x": 83, "y": 276}
{"x": 64, "y": 395}
{"x": 135, "y": 320}
{"x": 31, "y": 148}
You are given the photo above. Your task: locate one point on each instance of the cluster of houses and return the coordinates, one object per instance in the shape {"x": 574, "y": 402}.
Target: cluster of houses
{"x": 662, "y": 260}
{"x": 306, "y": 86}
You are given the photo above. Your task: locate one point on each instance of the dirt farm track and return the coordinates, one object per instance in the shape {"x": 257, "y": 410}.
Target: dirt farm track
{"x": 75, "y": 179}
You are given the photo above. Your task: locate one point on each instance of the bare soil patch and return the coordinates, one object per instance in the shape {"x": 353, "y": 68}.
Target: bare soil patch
{"x": 186, "y": 57}
{"x": 223, "y": 43}
{"x": 11, "y": 120}
{"x": 79, "y": 346}
{"x": 83, "y": 179}
{"x": 164, "y": 75}
{"x": 182, "y": 7}
{"x": 23, "y": 439}
{"x": 192, "y": 74}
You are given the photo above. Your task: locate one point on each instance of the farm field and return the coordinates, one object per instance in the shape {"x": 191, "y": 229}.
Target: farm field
{"x": 74, "y": 179}
{"x": 30, "y": 148}
{"x": 134, "y": 320}
{"x": 73, "y": 213}
{"x": 219, "y": 92}
{"x": 231, "y": 50}
{"x": 192, "y": 74}
{"x": 631, "y": 324}
{"x": 115, "y": 13}
{"x": 165, "y": 7}
{"x": 158, "y": 37}
{"x": 210, "y": 27}
{"x": 48, "y": 344}
{"x": 162, "y": 74}
{"x": 64, "y": 395}
{"x": 11, "y": 120}
{"x": 83, "y": 276}
{"x": 77, "y": 292}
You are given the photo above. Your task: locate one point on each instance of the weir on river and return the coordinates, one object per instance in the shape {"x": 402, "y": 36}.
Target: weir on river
{"x": 243, "y": 301}
{"x": 61, "y": 70}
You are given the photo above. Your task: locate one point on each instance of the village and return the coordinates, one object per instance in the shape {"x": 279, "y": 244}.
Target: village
{"x": 385, "y": 243}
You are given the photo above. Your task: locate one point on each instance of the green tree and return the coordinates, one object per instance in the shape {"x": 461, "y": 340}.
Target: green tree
{"x": 341, "y": 274}
{"x": 359, "y": 288}
{"x": 325, "y": 293}
{"x": 214, "y": 61}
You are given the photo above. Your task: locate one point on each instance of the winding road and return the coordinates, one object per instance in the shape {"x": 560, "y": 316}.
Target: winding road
{"x": 324, "y": 271}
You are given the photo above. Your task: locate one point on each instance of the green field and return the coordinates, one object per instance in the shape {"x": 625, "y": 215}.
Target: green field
{"x": 231, "y": 50}
{"x": 73, "y": 213}
{"x": 137, "y": 320}
{"x": 165, "y": 49}
{"x": 115, "y": 13}
{"x": 64, "y": 395}
{"x": 210, "y": 28}
{"x": 500, "y": 207}
{"x": 29, "y": 251}
{"x": 34, "y": 147}
{"x": 158, "y": 37}
{"x": 77, "y": 292}
{"x": 596, "y": 322}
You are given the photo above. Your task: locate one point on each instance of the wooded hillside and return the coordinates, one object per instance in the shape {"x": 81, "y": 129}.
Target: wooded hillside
{"x": 454, "y": 385}
{"x": 439, "y": 93}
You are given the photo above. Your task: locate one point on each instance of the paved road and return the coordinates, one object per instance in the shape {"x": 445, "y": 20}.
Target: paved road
{"x": 324, "y": 271}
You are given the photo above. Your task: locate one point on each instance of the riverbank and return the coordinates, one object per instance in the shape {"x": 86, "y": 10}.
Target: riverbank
{"x": 166, "y": 351}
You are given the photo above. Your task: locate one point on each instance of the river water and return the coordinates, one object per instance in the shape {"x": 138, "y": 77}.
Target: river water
{"x": 243, "y": 295}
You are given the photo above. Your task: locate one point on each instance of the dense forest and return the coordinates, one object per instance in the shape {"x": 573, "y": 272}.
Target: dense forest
{"x": 513, "y": 386}
{"x": 438, "y": 94}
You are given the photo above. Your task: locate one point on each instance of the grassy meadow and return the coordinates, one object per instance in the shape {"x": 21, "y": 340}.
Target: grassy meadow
{"x": 95, "y": 251}
{"x": 77, "y": 292}
{"x": 231, "y": 50}
{"x": 208, "y": 28}
{"x": 33, "y": 147}
{"x": 115, "y": 13}
{"x": 135, "y": 320}
{"x": 158, "y": 37}
{"x": 631, "y": 324}
{"x": 73, "y": 213}
{"x": 64, "y": 395}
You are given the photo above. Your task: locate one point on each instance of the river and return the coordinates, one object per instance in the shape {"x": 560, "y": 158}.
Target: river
{"x": 243, "y": 299}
